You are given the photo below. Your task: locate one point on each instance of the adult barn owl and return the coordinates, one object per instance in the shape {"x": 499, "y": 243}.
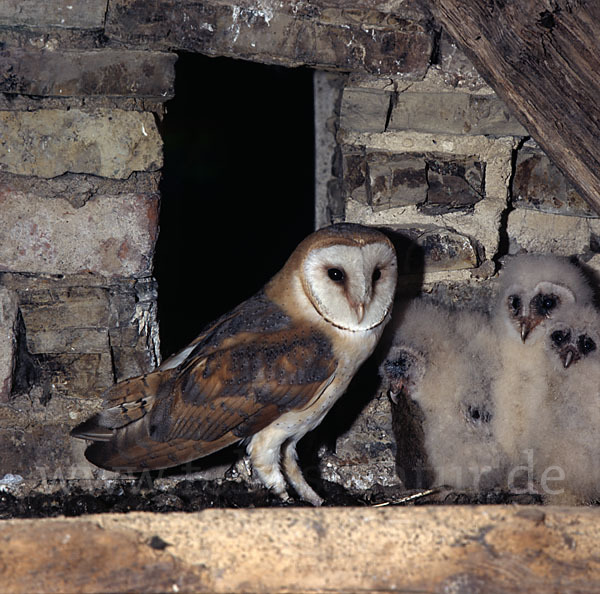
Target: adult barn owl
{"x": 265, "y": 373}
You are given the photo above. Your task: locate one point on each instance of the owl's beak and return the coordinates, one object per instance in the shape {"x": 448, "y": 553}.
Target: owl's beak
{"x": 359, "y": 308}
{"x": 527, "y": 325}
{"x": 568, "y": 356}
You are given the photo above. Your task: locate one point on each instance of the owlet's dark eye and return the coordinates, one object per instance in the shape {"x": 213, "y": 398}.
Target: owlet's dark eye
{"x": 559, "y": 337}
{"x": 585, "y": 344}
{"x": 514, "y": 302}
{"x": 376, "y": 275}
{"x": 336, "y": 275}
{"x": 546, "y": 303}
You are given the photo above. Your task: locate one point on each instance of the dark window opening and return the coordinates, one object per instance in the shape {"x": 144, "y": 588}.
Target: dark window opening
{"x": 237, "y": 188}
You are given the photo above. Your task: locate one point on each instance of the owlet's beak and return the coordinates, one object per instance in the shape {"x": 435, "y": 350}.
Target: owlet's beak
{"x": 527, "y": 325}
{"x": 569, "y": 355}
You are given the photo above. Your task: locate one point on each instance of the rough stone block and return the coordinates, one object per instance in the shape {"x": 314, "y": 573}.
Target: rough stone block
{"x": 456, "y": 69}
{"x": 50, "y": 142}
{"x": 107, "y": 72}
{"x": 536, "y": 231}
{"x": 361, "y": 37}
{"x": 83, "y": 14}
{"x": 433, "y": 249}
{"x": 453, "y": 185}
{"x": 364, "y": 454}
{"x": 396, "y": 180}
{"x": 8, "y": 340}
{"x": 86, "y": 337}
{"x": 364, "y": 110}
{"x": 76, "y": 340}
{"x": 355, "y": 176}
{"x": 79, "y": 375}
{"x": 539, "y": 185}
{"x": 110, "y": 235}
{"x": 436, "y": 184}
{"x": 453, "y": 113}
{"x": 444, "y": 249}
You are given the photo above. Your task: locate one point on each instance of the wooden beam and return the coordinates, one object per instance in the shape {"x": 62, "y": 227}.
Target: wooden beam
{"x": 417, "y": 549}
{"x": 542, "y": 57}
{"x": 346, "y": 35}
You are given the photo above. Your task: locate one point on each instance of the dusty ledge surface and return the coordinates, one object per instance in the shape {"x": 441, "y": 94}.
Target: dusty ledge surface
{"x": 430, "y": 549}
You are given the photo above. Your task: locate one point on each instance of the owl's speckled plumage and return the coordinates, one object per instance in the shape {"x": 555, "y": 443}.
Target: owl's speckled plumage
{"x": 265, "y": 373}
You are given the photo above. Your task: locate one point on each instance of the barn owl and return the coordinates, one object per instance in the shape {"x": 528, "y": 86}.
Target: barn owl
{"x": 565, "y": 439}
{"x": 444, "y": 361}
{"x": 533, "y": 291}
{"x": 263, "y": 374}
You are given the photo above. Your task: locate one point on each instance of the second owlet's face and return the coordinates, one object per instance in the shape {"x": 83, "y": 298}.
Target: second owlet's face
{"x": 537, "y": 288}
{"x": 570, "y": 346}
{"x": 351, "y": 285}
{"x": 574, "y": 337}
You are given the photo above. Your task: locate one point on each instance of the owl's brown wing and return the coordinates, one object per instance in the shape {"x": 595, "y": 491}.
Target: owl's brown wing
{"x": 245, "y": 386}
{"x": 235, "y": 382}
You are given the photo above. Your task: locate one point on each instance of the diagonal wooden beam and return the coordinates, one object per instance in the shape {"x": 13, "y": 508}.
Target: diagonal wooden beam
{"x": 542, "y": 57}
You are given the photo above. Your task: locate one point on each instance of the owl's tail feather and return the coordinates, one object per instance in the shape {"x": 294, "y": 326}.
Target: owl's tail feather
{"x": 133, "y": 450}
{"x": 121, "y": 433}
{"x": 125, "y": 402}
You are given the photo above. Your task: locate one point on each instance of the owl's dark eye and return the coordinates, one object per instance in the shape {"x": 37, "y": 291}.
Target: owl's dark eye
{"x": 546, "y": 303}
{"x": 514, "y": 302}
{"x": 336, "y": 275}
{"x": 559, "y": 337}
{"x": 376, "y": 275}
{"x": 585, "y": 344}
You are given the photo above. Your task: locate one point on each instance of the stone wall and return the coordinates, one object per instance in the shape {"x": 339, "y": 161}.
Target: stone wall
{"x": 408, "y": 137}
{"x": 440, "y": 158}
{"x": 80, "y": 160}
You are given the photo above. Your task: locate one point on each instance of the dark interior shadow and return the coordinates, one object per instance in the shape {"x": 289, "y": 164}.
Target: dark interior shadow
{"x": 237, "y": 187}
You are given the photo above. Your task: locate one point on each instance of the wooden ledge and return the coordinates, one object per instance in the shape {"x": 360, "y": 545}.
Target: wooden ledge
{"x": 442, "y": 549}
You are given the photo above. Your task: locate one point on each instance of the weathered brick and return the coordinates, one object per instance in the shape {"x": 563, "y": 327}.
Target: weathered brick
{"x": 50, "y": 142}
{"x": 433, "y": 249}
{"x": 364, "y": 110}
{"x": 453, "y": 185}
{"x": 110, "y": 235}
{"x": 539, "y": 185}
{"x": 72, "y": 307}
{"x": 83, "y": 14}
{"x": 355, "y": 176}
{"x": 436, "y": 184}
{"x": 453, "y": 113}
{"x": 78, "y": 375}
{"x": 107, "y": 72}
{"x": 536, "y": 231}
{"x": 8, "y": 340}
{"x": 395, "y": 180}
